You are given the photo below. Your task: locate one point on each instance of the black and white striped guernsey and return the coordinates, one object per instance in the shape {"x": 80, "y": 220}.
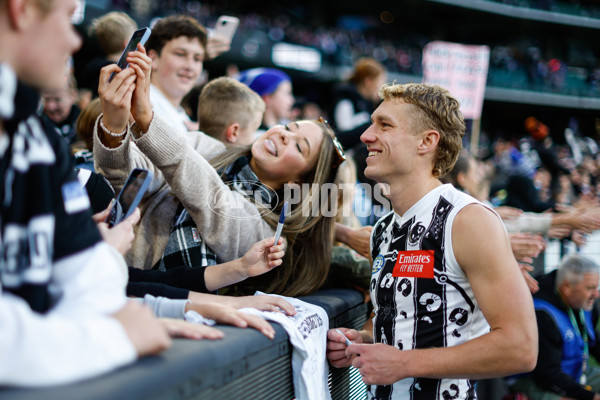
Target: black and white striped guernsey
{"x": 421, "y": 296}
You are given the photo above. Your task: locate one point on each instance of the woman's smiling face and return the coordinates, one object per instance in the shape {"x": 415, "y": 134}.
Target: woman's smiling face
{"x": 285, "y": 153}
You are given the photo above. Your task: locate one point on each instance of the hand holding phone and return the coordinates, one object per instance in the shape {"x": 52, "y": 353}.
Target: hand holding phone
{"x": 140, "y": 36}
{"x": 130, "y": 196}
{"x": 220, "y": 37}
{"x": 226, "y": 26}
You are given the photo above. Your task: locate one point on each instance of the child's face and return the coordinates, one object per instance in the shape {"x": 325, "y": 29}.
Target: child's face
{"x": 281, "y": 101}
{"x": 177, "y": 68}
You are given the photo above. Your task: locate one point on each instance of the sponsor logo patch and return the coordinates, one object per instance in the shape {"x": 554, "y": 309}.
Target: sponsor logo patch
{"x": 414, "y": 264}
{"x": 377, "y": 264}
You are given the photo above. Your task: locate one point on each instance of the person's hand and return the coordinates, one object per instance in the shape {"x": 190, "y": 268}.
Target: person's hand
{"x": 559, "y": 232}
{"x": 507, "y": 212}
{"x": 227, "y": 315}
{"x": 262, "y": 257}
{"x": 146, "y": 334}
{"x": 336, "y": 346}
{"x": 596, "y": 396}
{"x": 585, "y": 219}
{"x": 217, "y": 45}
{"x": 579, "y": 238}
{"x": 358, "y": 239}
{"x": 115, "y": 97}
{"x": 189, "y": 330}
{"x": 378, "y": 364}
{"x": 532, "y": 284}
{"x": 121, "y": 235}
{"x": 141, "y": 107}
{"x": 260, "y": 302}
{"x": 526, "y": 246}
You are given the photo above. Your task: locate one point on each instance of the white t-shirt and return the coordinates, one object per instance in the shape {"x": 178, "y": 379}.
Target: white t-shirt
{"x": 176, "y": 116}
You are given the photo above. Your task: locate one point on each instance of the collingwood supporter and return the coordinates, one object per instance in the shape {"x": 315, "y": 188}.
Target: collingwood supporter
{"x": 446, "y": 312}
{"x": 303, "y": 151}
{"x": 63, "y": 309}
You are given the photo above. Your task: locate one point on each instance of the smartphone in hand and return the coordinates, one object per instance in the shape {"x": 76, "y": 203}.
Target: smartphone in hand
{"x": 130, "y": 196}
{"x": 226, "y": 26}
{"x": 139, "y": 36}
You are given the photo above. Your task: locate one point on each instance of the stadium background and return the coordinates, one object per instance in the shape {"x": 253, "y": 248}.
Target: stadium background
{"x": 543, "y": 62}
{"x": 544, "y": 59}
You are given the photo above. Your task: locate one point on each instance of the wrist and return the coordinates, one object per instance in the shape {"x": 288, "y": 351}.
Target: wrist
{"x": 111, "y": 128}
{"x": 110, "y": 137}
{"x": 218, "y": 276}
{"x": 341, "y": 232}
{"x": 143, "y": 122}
{"x": 240, "y": 269}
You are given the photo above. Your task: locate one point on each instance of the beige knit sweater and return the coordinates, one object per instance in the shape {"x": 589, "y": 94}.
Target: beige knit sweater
{"x": 227, "y": 222}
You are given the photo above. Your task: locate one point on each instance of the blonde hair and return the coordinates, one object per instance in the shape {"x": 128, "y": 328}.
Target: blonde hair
{"x": 434, "y": 108}
{"x": 112, "y": 30}
{"x": 309, "y": 235}
{"x": 225, "y": 101}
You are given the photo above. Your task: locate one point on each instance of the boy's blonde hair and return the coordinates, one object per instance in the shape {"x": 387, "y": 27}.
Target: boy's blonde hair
{"x": 225, "y": 101}
{"x": 112, "y": 31}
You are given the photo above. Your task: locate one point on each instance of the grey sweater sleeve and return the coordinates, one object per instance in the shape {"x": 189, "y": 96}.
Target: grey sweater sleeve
{"x": 228, "y": 223}
{"x": 530, "y": 222}
{"x": 116, "y": 164}
{"x": 165, "y": 308}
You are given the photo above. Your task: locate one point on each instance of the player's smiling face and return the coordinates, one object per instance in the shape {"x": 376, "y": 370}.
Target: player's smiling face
{"x": 391, "y": 144}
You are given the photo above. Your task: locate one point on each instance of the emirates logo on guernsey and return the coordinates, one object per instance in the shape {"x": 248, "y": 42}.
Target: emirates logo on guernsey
{"x": 414, "y": 264}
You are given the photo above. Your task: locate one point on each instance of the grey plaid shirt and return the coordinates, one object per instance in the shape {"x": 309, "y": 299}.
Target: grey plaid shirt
{"x": 186, "y": 246}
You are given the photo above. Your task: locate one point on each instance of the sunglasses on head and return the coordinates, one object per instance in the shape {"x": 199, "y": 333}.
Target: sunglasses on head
{"x": 339, "y": 150}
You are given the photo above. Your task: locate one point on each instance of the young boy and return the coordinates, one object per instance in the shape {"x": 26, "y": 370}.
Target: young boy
{"x": 177, "y": 47}
{"x": 230, "y": 111}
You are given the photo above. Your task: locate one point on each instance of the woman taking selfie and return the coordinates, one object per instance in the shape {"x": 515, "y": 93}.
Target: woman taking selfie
{"x": 189, "y": 207}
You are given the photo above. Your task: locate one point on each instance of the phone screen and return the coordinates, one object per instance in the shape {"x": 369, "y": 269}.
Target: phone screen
{"x": 131, "y": 46}
{"x": 129, "y": 197}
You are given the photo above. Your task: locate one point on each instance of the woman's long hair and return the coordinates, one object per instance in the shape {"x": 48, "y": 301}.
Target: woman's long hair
{"x": 309, "y": 233}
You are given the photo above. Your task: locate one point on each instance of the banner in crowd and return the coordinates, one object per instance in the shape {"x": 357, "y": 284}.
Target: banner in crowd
{"x": 462, "y": 69}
